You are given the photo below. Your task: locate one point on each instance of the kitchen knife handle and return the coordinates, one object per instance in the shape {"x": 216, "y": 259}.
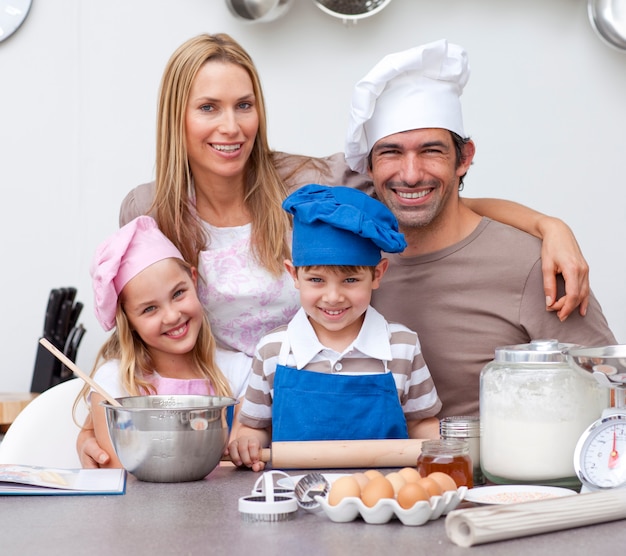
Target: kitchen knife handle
{"x": 71, "y": 294}
{"x": 52, "y": 310}
{"x": 63, "y": 321}
{"x": 73, "y": 341}
{"x": 76, "y": 310}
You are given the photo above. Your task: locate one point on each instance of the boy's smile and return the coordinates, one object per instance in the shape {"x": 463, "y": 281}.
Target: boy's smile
{"x": 335, "y": 299}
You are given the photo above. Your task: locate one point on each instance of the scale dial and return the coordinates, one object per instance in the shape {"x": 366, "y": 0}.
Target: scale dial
{"x": 600, "y": 455}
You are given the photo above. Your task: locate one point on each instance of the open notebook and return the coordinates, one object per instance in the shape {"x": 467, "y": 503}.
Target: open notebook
{"x": 29, "y": 479}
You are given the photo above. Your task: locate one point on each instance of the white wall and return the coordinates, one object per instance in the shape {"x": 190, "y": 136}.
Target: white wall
{"x": 78, "y": 86}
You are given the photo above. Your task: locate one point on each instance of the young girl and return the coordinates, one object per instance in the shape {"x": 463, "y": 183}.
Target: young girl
{"x": 162, "y": 342}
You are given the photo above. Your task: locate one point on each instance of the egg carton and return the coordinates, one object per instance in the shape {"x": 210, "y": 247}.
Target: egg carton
{"x": 386, "y": 509}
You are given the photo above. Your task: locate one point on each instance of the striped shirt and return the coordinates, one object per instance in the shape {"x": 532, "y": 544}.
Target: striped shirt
{"x": 380, "y": 347}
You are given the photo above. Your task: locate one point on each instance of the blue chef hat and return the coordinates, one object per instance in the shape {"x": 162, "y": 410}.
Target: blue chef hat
{"x": 340, "y": 226}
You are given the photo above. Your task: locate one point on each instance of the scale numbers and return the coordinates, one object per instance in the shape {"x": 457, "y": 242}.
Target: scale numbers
{"x": 600, "y": 455}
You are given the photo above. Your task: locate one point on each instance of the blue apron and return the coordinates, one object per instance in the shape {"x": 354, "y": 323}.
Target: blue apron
{"x": 309, "y": 405}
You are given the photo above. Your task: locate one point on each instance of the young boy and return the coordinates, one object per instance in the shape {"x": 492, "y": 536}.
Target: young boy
{"x": 338, "y": 370}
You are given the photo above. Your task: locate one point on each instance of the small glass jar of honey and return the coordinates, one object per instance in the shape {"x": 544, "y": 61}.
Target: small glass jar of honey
{"x": 450, "y": 456}
{"x": 468, "y": 429}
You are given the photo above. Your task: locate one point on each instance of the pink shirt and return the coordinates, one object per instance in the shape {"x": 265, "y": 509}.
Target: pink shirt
{"x": 108, "y": 377}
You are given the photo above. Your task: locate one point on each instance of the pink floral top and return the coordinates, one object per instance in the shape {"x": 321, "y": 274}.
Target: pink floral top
{"x": 244, "y": 301}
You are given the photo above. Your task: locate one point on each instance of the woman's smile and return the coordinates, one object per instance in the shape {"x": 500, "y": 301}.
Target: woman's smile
{"x": 221, "y": 120}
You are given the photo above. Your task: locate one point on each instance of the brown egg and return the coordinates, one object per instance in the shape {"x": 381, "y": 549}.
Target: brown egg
{"x": 432, "y": 487}
{"x": 373, "y": 473}
{"x": 445, "y": 481}
{"x": 375, "y": 490}
{"x": 410, "y": 474}
{"x": 397, "y": 481}
{"x": 343, "y": 487}
{"x": 362, "y": 479}
{"x": 411, "y": 493}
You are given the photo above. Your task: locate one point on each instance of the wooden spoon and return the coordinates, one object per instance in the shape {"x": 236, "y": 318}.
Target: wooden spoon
{"x": 72, "y": 366}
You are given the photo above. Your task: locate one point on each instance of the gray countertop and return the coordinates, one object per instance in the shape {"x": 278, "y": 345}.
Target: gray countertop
{"x": 202, "y": 517}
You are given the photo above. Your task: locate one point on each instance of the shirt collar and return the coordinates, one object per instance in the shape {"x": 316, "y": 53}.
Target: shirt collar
{"x": 372, "y": 341}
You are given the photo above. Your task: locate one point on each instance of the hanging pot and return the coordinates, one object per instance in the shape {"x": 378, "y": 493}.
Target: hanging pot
{"x": 258, "y": 11}
{"x": 351, "y": 10}
{"x": 608, "y": 18}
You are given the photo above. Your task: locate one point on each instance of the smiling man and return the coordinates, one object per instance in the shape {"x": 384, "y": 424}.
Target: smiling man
{"x": 465, "y": 283}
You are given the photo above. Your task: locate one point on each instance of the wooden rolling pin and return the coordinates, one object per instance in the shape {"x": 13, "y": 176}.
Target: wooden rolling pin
{"x": 343, "y": 454}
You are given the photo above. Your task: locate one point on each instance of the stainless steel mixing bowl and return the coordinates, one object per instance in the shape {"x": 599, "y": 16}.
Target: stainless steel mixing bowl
{"x": 169, "y": 439}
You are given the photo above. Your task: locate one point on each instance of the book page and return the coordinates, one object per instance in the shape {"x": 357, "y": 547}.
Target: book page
{"x": 28, "y": 478}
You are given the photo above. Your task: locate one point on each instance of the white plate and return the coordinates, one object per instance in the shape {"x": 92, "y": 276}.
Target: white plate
{"x": 290, "y": 482}
{"x": 512, "y": 494}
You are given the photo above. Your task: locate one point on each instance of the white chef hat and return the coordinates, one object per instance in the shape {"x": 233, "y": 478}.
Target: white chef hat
{"x": 414, "y": 89}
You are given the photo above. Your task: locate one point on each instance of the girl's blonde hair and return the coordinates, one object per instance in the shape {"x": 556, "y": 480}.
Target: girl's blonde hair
{"x": 265, "y": 190}
{"x": 136, "y": 365}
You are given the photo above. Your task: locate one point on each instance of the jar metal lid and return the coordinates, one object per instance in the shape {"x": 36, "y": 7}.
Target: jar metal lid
{"x": 445, "y": 446}
{"x": 459, "y": 427}
{"x": 537, "y": 351}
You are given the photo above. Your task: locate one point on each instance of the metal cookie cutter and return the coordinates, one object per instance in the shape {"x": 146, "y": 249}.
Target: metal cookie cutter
{"x": 265, "y": 503}
{"x": 308, "y": 488}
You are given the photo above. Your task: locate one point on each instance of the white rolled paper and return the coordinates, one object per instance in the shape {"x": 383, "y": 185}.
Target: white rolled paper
{"x": 496, "y": 523}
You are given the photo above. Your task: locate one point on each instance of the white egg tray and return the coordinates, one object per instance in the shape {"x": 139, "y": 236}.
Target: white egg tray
{"x": 386, "y": 509}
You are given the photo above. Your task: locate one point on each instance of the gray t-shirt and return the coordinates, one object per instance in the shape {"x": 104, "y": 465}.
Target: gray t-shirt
{"x": 466, "y": 300}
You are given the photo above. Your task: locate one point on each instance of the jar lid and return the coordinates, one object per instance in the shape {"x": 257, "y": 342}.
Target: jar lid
{"x": 459, "y": 427}
{"x": 445, "y": 446}
{"x": 538, "y": 351}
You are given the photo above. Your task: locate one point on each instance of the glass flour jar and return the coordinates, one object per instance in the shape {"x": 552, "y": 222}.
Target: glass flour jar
{"x": 533, "y": 408}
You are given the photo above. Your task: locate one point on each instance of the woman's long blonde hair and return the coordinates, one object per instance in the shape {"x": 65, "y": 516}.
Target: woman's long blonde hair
{"x": 265, "y": 190}
{"x": 136, "y": 365}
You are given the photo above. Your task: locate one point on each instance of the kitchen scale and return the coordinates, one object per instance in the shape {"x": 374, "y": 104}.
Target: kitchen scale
{"x": 600, "y": 454}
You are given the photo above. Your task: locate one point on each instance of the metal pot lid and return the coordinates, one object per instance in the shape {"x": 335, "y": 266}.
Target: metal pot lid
{"x": 608, "y": 19}
{"x": 537, "y": 351}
